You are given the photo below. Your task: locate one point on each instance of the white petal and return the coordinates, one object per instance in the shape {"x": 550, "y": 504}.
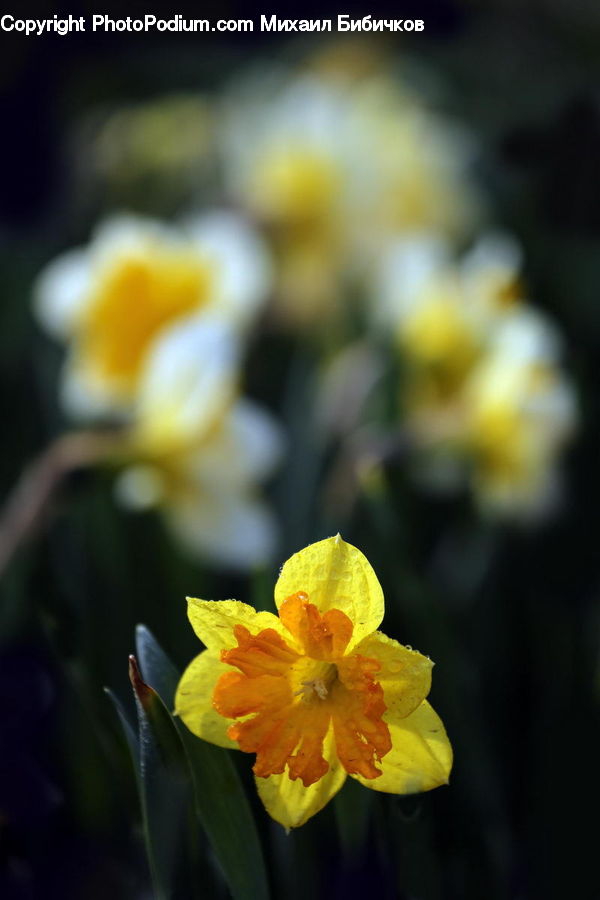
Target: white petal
{"x": 406, "y": 269}
{"x": 496, "y": 250}
{"x": 241, "y": 261}
{"x": 61, "y": 291}
{"x": 189, "y": 376}
{"x": 232, "y": 530}
{"x": 139, "y": 487}
{"x": 526, "y": 335}
{"x": 123, "y": 234}
{"x": 244, "y": 450}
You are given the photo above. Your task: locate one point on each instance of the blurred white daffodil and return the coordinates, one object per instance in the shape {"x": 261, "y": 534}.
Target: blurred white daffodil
{"x": 288, "y": 159}
{"x": 418, "y": 296}
{"x": 335, "y": 168}
{"x": 444, "y": 312}
{"x": 484, "y": 396}
{"x": 519, "y": 412}
{"x": 110, "y": 301}
{"x": 417, "y": 166}
{"x": 198, "y": 452}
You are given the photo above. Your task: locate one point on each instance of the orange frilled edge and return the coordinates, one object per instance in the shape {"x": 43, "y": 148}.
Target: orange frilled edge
{"x": 289, "y": 696}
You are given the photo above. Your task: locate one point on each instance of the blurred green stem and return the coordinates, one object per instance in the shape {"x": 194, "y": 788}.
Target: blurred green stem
{"x": 26, "y": 507}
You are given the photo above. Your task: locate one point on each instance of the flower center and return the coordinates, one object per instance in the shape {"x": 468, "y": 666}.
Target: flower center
{"x": 134, "y": 298}
{"x": 296, "y": 186}
{"x": 315, "y": 678}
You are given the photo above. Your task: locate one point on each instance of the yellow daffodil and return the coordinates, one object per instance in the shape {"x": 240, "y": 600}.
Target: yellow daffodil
{"x": 335, "y": 168}
{"x": 445, "y": 315}
{"x": 197, "y": 452}
{"x": 484, "y": 396}
{"x": 288, "y": 158}
{"x": 444, "y": 311}
{"x": 519, "y": 411}
{"x": 440, "y": 321}
{"x": 318, "y": 693}
{"x": 138, "y": 277}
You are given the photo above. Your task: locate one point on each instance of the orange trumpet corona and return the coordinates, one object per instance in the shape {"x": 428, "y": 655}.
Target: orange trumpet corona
{"x": 292, "y": 697}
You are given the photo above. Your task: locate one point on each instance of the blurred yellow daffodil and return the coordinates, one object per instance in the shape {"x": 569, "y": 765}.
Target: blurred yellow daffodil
{"x": 519, "y": 411}
{"x": 287, "y": 154}
{"x": 337, "y": 167}
{"x": 318, "y": 693}
{"x": 197, "y": 451}
{"x": 443, "y": 315}
{"x": 138, "y": 277}
{"x": 484, "y": 396}
{"x": 444, "y": 312}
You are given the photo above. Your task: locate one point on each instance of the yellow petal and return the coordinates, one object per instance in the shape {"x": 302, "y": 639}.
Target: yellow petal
{"x": 335, "y": 575}
{"x": 405, "y": 675}
{"x": 213, "y": 621}
{"x": 421, "y": 755}
{"x": 290, "y": 803}
{"x": 193, "y": 699}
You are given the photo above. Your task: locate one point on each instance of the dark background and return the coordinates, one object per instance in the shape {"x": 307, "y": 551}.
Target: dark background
{"x": 511, "y": 617}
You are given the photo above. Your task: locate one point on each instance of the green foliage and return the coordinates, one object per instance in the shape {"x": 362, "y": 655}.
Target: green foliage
{"x": 179, "y": 775}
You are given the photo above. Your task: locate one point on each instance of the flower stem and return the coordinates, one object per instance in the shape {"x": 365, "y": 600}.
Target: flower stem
{"x": 31, "y": 498}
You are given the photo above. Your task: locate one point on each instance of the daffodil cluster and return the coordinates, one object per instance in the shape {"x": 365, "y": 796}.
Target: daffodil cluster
{"x": 484, "y": 396}
{"x": 154, "y": 319}
{"x": 359, "y": 193}
{"x": 366, "y": 193}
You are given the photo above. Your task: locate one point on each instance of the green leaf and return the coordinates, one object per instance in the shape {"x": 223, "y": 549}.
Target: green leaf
{"x": 157, "y": 668}
{"x": 225, "y": 814}
{"x": 128, "y": 730}
{"x": 164, "y": 789}
{"x": 220, "y": 800}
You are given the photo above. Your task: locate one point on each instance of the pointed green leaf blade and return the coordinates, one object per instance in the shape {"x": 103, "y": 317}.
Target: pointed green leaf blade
{"x": 221, "y": 803}
{"x": 164, "y": 789}
{"x": 128, "y": 731}
{"x": 157, "y": 669}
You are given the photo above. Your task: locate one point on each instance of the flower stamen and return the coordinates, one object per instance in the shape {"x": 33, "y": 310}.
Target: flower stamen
{"x": 317, "y": 686}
